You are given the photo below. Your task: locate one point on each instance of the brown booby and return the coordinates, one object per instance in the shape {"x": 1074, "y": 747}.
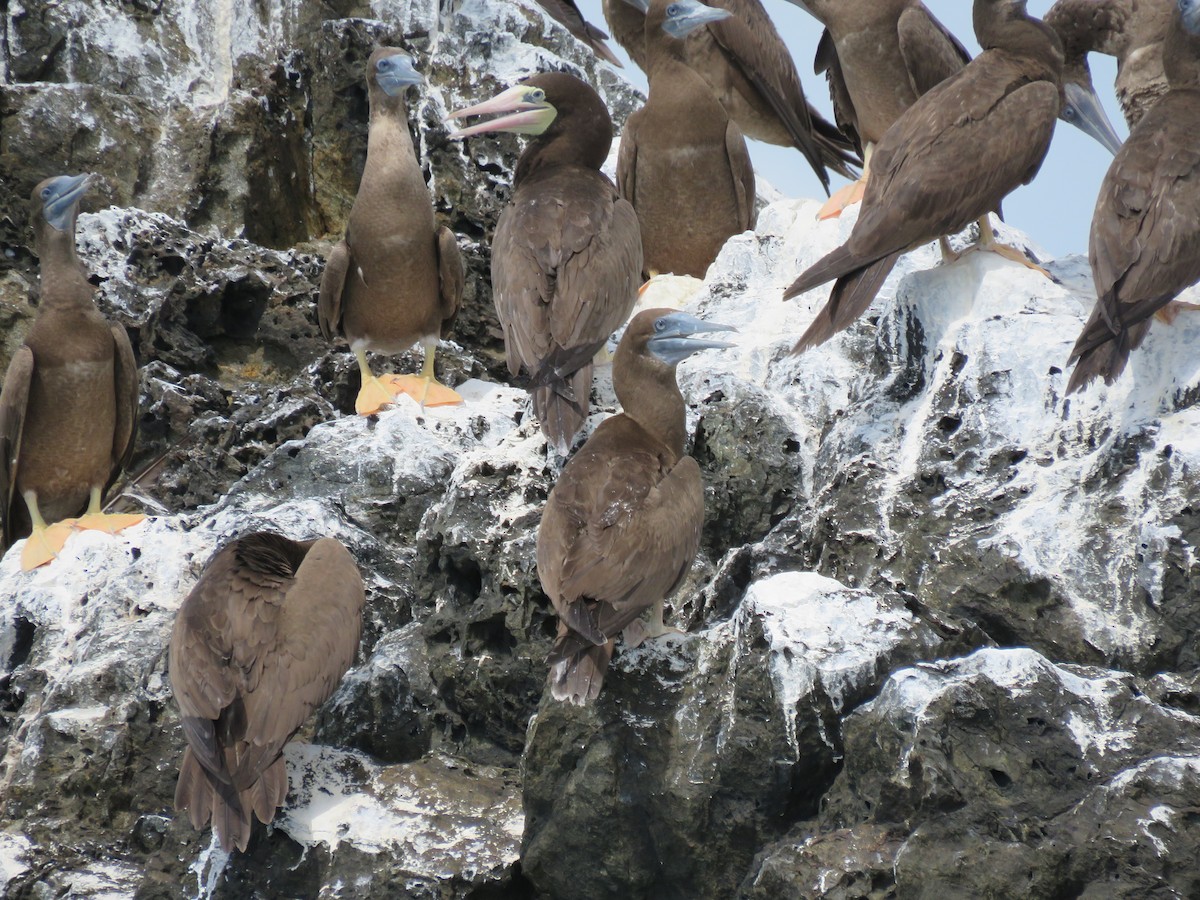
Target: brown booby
{"x": 1145, "y": 240}
{"x": 622, "y": 525}
{"x": 567, "y": 14}
{"x": 878, "y": 56}
{"x": 260, "y": 642}
{"x": 567, "y": 255}
{"x": 68, "y": 409}
{"x": 750, "y": 71}
{"x": 948, "y": 160}
{"x": 1132, "y": 31}
{"x": 683, "y": 162}
{"x": 396, "y": 278}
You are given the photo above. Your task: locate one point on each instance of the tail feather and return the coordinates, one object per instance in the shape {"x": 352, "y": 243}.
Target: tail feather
{"x": 562, "y": 406}
{"x": 577, "y": 668}
{"x": 852, "y": 294}
{"x": 832, "y": 265}
{"x": 206, "y": 798}
{"x": 1104, "y": 358}
{"x": 268, "y": 793}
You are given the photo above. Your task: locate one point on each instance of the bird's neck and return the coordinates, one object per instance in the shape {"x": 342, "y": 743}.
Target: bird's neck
{"x": 649, "y": 395}
{"x": 565, "y": 148}
{"x": 1181, "y": 58}
{"x": 388, "y": 140}
{"x": 64, "y": 282}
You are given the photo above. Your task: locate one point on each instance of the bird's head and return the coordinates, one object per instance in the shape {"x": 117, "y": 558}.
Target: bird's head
{"x": 524, "y": 109}
{"x": 681, "y": 17}
{"x": 1082, "y": 108}
{"x": 56, "y": 200}
{"x": 1189, "y": 12}
{"x": 392, "y": 70}
{"x": 667, "y": 335}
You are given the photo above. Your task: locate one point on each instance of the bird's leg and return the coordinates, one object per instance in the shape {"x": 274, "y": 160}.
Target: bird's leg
{"x": 987, "y": 241}
{"x": 1171, "y": 311}
{"x": 96, "y": 519}
{"x": 850, "y": 194}
{"x": 373, "y": 395}
{"x": 44, "y": 544}
{"x": 655, "y": 627}
{"x": 424, "y": 388}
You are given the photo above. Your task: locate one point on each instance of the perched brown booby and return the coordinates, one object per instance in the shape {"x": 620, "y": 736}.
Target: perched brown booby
{"x": 260, "y": 642}
{"x": 567, "y": 14}
{"x": 878, "y": 56}
{"x": 948, "y": 160}
{"x": 567, "y": 255}
{"x": 396, "y": 278}
{"x": 683, "y": 162}
{"x": 622, "y": 525}
{"x": 1145, "y": 241}
{"x": 1132, "y": 31}
{"x": 750, "y": 71}
{"x": 68, "y": 409}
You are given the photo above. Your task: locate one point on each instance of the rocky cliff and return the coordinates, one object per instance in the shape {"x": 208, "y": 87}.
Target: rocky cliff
{"x": 942, "y": 629}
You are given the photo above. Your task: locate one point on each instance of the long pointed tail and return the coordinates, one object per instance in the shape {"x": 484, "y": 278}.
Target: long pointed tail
{"x": 208, "y": 798}
{"x": 1104, "y": 358}
{"x": 562, "y": 406}
{"x": 852, "y": 294}
{"x": 577, "y": 668}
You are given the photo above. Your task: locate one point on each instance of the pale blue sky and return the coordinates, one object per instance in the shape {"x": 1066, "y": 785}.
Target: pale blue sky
{"x": 1055, "y": 210}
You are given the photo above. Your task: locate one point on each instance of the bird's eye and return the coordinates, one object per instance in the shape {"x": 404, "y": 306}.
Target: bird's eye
{"x": 47, "y": 192}
{"x": 1068, "y": 113}
{"x": 536, "y": 96}
{"x": 660, "y": 325}
{"x": 673, "y": 10}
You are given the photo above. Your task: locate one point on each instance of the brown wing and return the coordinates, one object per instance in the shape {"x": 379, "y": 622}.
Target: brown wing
{"x": 566, "y": 264}
{"x": 1145, "y": 240}
{"x": 621, "y": 527}
{"x": 627, "y": 159}
{"x": 333, "y": 282}
{"x": 951, "y": 158}
{"x": 743, "y": 174}
{"x": 931, "y": 53}
{"x": 13, "y": 400}
{"x": 450, "y": 275}
{"x": 751, "y": 44}
{"x": 125, "y": 432}
{"x": 839, "y": 94}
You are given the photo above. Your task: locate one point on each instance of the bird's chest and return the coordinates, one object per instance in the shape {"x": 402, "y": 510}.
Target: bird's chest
{"x": 877, "y": 81}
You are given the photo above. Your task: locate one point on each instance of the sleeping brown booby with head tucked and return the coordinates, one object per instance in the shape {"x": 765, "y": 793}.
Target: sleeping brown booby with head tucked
{"x": 68, "y": 409}
{"x": 260, "y": 642}
{"x": 683, "y": 162}
{"x": 396, "y": 279}
{"x": 948, "y": 160}
{"x": 750, "y": 72}
{"x": 567, "y": 253}
{"x": 1145, "y": 240}
{"x": 622, "y": 525}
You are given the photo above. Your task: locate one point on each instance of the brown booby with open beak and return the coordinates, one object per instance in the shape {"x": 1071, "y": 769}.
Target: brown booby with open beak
{"x": 878, "y": 56}
{"x": 567, "y": 14}
{"x": 396, "y": 279}
{"x": 948, "y": 160}
{"x": 1132, "y": 31}
{"x": 1145, "y": 241}
{"x": 68, "y": 409}
{"x": 260, "y": 642}
{"x": 567, "y": 255}
{"x": 622, "y": 525}
{"x": 750, "y": 71}
{"x": 683, "y": 162}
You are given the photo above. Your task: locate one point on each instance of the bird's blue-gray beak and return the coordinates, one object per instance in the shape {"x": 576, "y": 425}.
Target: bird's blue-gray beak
{"x": 1084, "y": 110}
{"x": 1190, "y": 11}
{"x": 672, "y": 341}
{"x": 60, "y": 197}
{"x": 685, "y": 16}
{"x": 395, "y": 73}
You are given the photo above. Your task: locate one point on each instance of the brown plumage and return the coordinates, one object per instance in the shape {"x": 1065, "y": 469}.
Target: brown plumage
{"x": 948, "y": 160}
{"x": 567, "y": 14}
{"x": 750, "y": 71}
{"x": 879, "y": 56}
{"x": 260, "y": 642}
{"x": 68, "y": 409}
{"x": 397, "y": 277}
{"x": 567, "y": 255}
{"x": 622, "y": 525}
{"x": 683, "y": 162}
{"x": 1132, "y": 31}
{"x": 1145, "y": 240}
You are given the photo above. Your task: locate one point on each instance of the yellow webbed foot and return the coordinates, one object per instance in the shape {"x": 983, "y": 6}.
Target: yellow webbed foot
{"x": 1169, "y": 313}
{"x": 44, "y": 545}
{"x": 1016, "y": 256}
{"x": 109, "y": 523}
{"x": 426, "y": 391}
{"x": 842, "y": 197}
{"x": 373, "y": 397}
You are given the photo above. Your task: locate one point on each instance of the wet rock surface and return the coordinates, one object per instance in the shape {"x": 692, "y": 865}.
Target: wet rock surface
{"x": 942, "y": 628}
